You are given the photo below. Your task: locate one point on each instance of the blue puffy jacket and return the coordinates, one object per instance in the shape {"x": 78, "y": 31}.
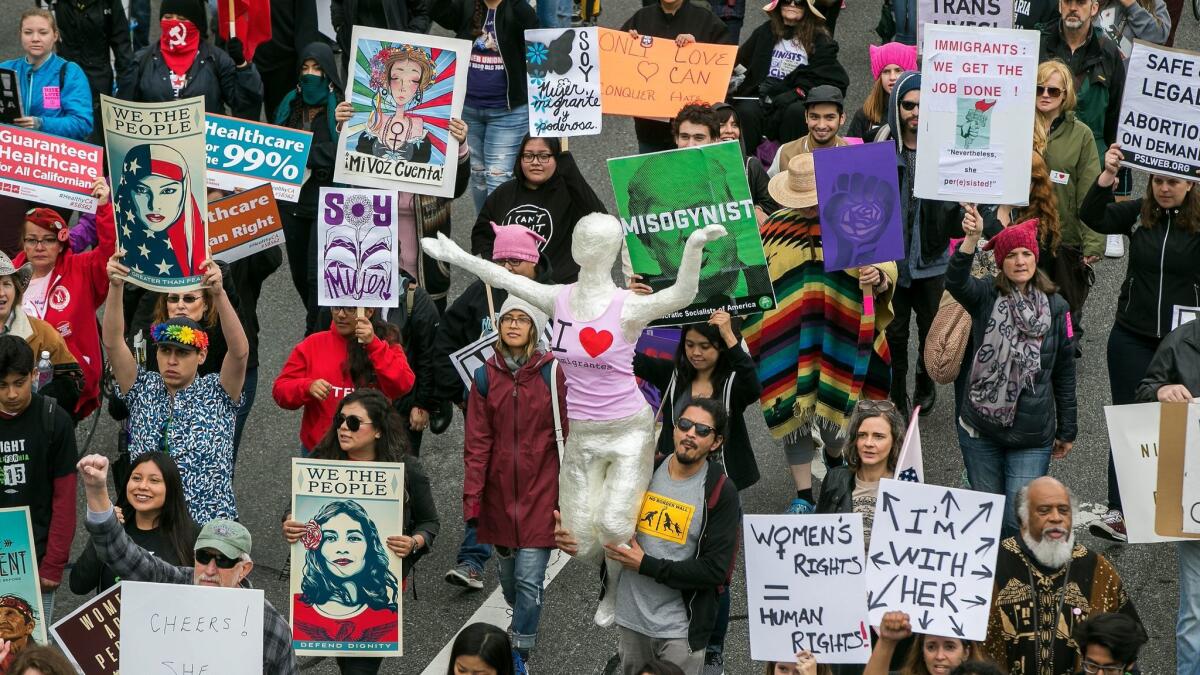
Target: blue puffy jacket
{"x": 73, "y": 116}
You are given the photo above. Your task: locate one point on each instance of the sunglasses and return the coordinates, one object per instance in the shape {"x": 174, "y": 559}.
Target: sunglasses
{"x": 352, "y": 422}
{"x": 173, "y": 299}
{"x": 702, "y": 430}
{"x": 793, "y": 3}
{"x": 1052, "y": 92}
{"x": 205, "y": 556}
{"x": 909, "y": 106}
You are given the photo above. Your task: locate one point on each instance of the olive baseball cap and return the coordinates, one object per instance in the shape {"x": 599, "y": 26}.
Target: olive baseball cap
{"x": 228, "y": 537}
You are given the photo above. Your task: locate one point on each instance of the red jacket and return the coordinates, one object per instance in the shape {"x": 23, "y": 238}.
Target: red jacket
{"x": 323, "y": 356}
{"x": 510, "y": 483}
{"x": 78, "y": 286}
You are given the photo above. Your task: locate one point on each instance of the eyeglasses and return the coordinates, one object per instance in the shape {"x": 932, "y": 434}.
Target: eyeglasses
{"x": 34, "y": 242}
{"x": 516, "y": 321}
{"x": 702, "y": 430}
{"x": 352, "y": 422}
{"x": 1052, "y": 92}
{"x": 909, "y": 106}
{"x": 173, "y": 299}
{"x": 536, "y": 157}
{"x": 205, "y": 556}
{"x": 872, "y": 405}
{"x": 343, "y": 310}
{"x": 509, "y": 262}
{"x": 1093, "y": 668}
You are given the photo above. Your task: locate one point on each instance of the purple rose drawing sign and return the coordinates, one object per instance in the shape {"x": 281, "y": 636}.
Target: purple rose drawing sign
{"x": 358, "y": 250}
{"x": 859, "y": 199}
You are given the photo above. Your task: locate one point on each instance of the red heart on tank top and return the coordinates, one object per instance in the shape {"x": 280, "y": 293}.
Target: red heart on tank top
{"x": 595, "y": 342}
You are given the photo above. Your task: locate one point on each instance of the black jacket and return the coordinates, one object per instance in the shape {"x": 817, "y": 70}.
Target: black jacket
{"x": 702, "y": 579}
{"x": 822, "y": 68}
{"x": 741, "y": 389}
{"x": 1035, "y": 14}
{"x": 837, "y": 491}
{"x": 1099, "y": 73}
{"x": 91, "y": 30}
{"x": 1177, "y": 361}
{"x": 513, "y": 18}
{"x": 1162, "y": 271}
{"x": 213, "y": 75}
{"x": 405, "y": 15}
{"x": 293, "y": 27}
{"x": 323, "y": 149}
{"x": 1045, "y": 411}
{"x": 418, "y": 324}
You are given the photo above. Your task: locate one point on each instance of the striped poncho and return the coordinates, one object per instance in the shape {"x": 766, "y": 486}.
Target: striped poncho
{"x": 817, "y": 352}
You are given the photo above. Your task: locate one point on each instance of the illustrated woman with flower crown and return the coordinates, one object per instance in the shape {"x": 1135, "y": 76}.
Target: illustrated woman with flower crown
{"x": 400, "y": 76}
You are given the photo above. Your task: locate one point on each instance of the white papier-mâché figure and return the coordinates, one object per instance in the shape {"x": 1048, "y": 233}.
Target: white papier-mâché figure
{"x": 609, "y": 453}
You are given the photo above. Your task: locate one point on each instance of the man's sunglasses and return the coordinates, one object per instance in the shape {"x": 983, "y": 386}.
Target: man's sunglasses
{"x": 702, "y": 430}
{"x": 352, "y": 422}
{"x": 205, "y": 556}
{"x": 910, "y": 106}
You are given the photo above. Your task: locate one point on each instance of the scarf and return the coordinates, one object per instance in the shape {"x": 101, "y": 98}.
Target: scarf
{"x": 179, "y": 43}
{"x": 1010, "y": 356}
{"x": 817, "y": 352}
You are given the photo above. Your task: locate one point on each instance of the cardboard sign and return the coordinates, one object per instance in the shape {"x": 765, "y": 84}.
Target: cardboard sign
{"x": 806, "y": 587}
{"x": 10, "y": 97}
{"x": 663, "y": 197}
{"x": 398, "y": 137}
{"x": 933, "y": 555}
{"x": 1191, "y": 473}
{"x": 157, "y": 163}
{"x": 989, "y": 13}
{"x": 49, "y": 169}
{"x": 176, "y": 629}
{"x": 19, "y": 572}
{"x": 358, "y": 249}
{"x": 977, "y": 87}
{"x": 562, "y": 66}
{"x": 1133, "y": 436}
{"x": 1159, "y": 128}
{"x": 244, "y": 154}
{"x": 349, "y": 510}
{"x": 652, "y": 77}
{"x": 1172, "y": 448}
{"x": 859, "y": 197}
{"x": 91, "y": 635}
{"x": 244, "y": 223}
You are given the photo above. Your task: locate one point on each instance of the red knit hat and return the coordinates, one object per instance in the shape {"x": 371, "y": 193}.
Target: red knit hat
{"x": 1021, "y": 235}
{"x": 49, "y": 220}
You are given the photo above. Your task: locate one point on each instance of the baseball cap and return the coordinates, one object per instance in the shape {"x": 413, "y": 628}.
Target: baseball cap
{"x": 826, "y": 93}
{"x": 181, "y": 332}
{"x": 229, "y": 537}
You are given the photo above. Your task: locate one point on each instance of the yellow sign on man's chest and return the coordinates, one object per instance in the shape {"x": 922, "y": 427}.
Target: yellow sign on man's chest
{"x": 665, "y": 518}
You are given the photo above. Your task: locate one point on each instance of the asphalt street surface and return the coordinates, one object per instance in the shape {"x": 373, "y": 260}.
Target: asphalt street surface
{"x": 568, "y": 642}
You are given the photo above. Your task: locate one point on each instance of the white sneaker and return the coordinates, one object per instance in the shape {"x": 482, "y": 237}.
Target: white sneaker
{"x": 1114, "y": 247}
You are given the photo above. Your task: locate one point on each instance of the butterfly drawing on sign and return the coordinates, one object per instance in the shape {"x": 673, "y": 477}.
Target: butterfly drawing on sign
{"x": 554, "y": 58}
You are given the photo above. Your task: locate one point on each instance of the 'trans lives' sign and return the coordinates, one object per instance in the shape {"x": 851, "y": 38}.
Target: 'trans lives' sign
{"x": 1159, "y": 128}
{"x": 933, "y": 555}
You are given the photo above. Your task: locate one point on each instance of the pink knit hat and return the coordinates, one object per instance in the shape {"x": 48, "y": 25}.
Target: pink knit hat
{"x": 516, "y": 242}
{"x": 1021, "y": 235}
{"x": 883, "y": 56}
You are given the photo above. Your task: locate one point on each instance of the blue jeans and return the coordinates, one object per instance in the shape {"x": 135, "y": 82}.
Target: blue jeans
{"x": 249, "y": 390}
{"x": 555, "y": 13}
{"x": 139, "y": 23}
{"x": 494, "y": 136}
{"x": 994, "y": 468}
{"x": 1187, "y": 629}
{"x": 47, "y": 617}
{"x": 472, "y": 552}
{"x": 522, "y": 580}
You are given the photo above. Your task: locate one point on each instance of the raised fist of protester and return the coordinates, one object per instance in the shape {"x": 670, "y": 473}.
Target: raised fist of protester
{"x": 1174, "y": 393}
{"x": 458, "y": 130}
{"x": 93, "y": 469}
{"x": 344, "y": 111}
{"x": 100, "y": 191}
{"x": 236, "y": 51}
{"x": 859, "y": 209}
{"x": 895, "y": 626}
{"x": 116, "y": 271}
{"x": 213, "y": 277}
{"x": 806, "y": 663}
{"x": 1112, "y": 164}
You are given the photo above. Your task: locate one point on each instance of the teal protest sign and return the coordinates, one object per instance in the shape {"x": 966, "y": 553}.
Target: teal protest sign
{"x": 244, "y": 154}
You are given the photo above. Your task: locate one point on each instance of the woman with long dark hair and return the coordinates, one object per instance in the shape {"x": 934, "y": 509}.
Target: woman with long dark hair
{"x": 481, "y": 648}
{"x": 360, "y": 593}
{"x": 357, "y": 351}
{"x": 155, "y": 517}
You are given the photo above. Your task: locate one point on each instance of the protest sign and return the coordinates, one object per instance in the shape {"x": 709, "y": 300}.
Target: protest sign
{"x": 49, "y": 169}
{"x": 1191, "y": 473}
{"x": 562, "y": 66}
{"x": 806, "y": 587}
{"x": 1133, "y": 437}
{"x": 989, "y": 13}
{"x": 859, "y": 196}
{"x": 349, "y": 510}
{"x": 91, "y": 634}
{"x": 1175, "y": 424}
{"x": 244, "y": 223}
{"x": 933, "y": 555}
{"x": 177, "y": 629}
{"x": 653, "y": 77}
{"x": 404, "y": 88}
{"x": 244, "y": 154}
{"x": 20, "y": 585}
{"x": 358, "y": 249}
{"x": 977, "y": 88}
{"x": 470, "y": 357}
{"x": 656, "y": 343}
{"x": 156, "y": 159}
{"x": 1159, "y": 128}
{"x": 10, "y": 97}
{"x": 663, "y": 197}
{"x": 910, "y": 466}
{"x": 1182, "y": 315}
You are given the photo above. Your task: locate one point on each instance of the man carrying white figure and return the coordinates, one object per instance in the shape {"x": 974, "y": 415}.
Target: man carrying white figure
{"x": 609, "y": 454}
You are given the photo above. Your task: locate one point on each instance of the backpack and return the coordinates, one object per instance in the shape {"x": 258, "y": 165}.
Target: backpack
{"x": 550, "y": 377}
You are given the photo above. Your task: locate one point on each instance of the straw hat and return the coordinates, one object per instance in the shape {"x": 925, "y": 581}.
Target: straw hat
{"x": 811, "y": 7}
{"x": 796, "y": 188}
{"x": 20, "y": 275}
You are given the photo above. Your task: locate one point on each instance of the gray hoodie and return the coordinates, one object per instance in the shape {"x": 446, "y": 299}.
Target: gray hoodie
{"x": 1125, "y": 24}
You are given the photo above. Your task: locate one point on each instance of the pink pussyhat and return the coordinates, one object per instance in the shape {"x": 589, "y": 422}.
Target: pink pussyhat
{"x": 885, "y": 55}
{"x": 514, "y": 242}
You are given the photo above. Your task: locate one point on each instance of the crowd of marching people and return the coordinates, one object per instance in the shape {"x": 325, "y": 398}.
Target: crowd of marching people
{"x": 990, "y": 299}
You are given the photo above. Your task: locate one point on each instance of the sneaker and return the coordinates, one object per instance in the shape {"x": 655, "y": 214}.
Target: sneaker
{"x": 1114, "y": 246}
{"x": 801, "y": 506}
{"x": 466, "y": 576}
{"x": 520, "y": 667}
{"x": 714, "y": 663}
{"x": 1111, "y": 526}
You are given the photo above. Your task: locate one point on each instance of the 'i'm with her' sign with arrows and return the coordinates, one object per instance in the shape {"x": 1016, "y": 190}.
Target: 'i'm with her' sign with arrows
{"x": 933, "y": 555}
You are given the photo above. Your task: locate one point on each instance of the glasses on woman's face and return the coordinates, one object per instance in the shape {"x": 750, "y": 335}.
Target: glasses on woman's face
{"x": 352, "y": 422}
{"x": 34, "y": 242}
{"x": 536, "y": 157}
{"x": 175, "y": 299}
{"x": 205, "y": 556}
{"x": 1052, "y": 92}
{"x": 509, "y": 262}
{"x": 522, "y": 321}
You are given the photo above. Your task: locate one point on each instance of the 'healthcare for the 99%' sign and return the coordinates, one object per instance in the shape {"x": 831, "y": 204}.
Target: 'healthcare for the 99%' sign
{"x": 806, "y": 587}
{"x": 245, "y": 154}
{"x": 1159, "y": 129}
{"x": 933, "y": 556}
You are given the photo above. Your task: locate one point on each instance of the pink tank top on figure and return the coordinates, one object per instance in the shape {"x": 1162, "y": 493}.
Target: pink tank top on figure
{"x": 597, "y": 361}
